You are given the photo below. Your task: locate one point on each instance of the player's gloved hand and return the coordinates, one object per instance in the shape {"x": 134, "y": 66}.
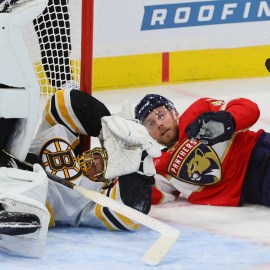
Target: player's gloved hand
{"x": 212, "y": 127}
{"x": 125, "y": 141}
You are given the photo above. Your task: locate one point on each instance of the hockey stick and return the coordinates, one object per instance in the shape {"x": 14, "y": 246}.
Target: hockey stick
{"x": 168, "y": 234}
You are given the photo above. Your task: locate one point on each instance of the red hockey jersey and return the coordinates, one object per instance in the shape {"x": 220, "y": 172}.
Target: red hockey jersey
{"x": 211, "y": 175}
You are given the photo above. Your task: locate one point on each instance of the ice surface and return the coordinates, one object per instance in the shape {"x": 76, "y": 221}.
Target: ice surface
{"x": 87, "y": 248}
{"x": 211, "y": 238}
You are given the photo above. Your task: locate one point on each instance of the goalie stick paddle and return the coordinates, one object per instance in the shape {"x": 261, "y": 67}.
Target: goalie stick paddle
{"x": 168, "y": 235}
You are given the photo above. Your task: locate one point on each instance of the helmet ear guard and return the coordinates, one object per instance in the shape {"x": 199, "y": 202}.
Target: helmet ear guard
{"x": 94, "y": 163}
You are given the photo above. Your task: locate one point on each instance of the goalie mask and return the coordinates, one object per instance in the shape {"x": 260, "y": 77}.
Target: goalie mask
{"x": 94, "y": 163}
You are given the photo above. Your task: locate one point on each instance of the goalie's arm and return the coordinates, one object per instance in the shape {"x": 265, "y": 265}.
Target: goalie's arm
{"x": 76, "y": 110}
{"x": 134, "y": 191}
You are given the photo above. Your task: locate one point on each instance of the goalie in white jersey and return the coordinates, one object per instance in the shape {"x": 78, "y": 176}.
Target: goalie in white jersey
{"x": 122, "y": 169}
{"x": 70, "y": 113}
{"x": 24, "y": 218}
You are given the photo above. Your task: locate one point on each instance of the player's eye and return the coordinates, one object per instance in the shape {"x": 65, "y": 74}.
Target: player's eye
{"x": 161, "y": 116}
{"x": 150, "y": 124}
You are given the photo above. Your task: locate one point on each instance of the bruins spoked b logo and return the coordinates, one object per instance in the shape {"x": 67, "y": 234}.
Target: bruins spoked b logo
{"x": 59, "y": 159}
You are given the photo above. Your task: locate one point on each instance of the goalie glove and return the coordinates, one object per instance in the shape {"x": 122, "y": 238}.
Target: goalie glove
{"x": 125, "y": 140}
{"x": 212, "y": 127}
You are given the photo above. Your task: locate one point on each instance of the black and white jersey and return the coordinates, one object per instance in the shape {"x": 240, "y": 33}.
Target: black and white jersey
{"x": 67, "y": 115}
{"x": 79, "y": 112}
{"x": 68, "y": 207}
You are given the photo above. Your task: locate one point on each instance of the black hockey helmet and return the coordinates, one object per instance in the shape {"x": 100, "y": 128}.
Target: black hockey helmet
{"x": 149, "y": 103}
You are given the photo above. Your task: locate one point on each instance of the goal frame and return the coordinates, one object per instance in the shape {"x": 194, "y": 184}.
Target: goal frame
{"x": 86, "y": 82}
{"x": 87, "y": 46}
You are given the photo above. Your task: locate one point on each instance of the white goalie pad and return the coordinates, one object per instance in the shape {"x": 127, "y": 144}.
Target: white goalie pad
{"x": 30, "y": 245}
{"x": 32, "y": 184}
{"x": 17, "y": 71}
{"x": 25, "y": 192}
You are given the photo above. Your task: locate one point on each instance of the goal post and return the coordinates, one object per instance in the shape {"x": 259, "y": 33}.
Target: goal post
{"x": 87, "y": 55}
{"x": 87, "y": 45}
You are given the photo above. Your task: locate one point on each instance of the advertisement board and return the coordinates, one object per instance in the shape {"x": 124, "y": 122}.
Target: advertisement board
{"x": 146, "y": 26}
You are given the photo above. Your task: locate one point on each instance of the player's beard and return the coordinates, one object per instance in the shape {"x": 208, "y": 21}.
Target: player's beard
{"x": 171, "y": 132}
{"x": 170, "y": 136}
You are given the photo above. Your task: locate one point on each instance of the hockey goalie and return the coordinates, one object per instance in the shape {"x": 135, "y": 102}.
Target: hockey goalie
{"x": 121, "y": 169}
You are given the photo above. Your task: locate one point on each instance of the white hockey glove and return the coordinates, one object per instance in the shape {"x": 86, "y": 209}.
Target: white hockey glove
{"x": 125, "y": 140}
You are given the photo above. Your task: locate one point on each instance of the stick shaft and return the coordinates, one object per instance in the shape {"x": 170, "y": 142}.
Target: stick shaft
{"x": 168, "y": 234}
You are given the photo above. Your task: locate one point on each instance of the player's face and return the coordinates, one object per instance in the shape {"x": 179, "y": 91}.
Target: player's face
{"x": 162, "y": 125}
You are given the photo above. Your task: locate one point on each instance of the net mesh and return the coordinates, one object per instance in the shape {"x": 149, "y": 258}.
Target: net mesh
{"x": 54, "y": 45}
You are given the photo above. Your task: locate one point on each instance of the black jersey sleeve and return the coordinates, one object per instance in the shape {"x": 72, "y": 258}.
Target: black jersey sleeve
{"x": 78, "y": 111}
{"x": 89, "y": 111}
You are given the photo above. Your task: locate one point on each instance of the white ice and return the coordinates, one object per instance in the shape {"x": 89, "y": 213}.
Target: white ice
{"x": 211, "y": 238}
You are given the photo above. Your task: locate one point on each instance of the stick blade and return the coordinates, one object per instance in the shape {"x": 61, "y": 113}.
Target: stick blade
{"x": 168, "y": 234}
{"x": 160, "y": 248}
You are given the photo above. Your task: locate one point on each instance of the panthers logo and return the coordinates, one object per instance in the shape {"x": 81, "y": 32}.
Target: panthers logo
{"x": 195, "y": 163}
{"x": 202, "y": 167}
{"x": 59, "y": 159}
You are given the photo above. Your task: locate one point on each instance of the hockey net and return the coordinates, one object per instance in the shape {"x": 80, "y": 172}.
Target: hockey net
{"x": 54, "y": 45}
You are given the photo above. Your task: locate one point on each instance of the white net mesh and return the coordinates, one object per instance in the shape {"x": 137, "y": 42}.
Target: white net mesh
{"x": 54, "y": 44}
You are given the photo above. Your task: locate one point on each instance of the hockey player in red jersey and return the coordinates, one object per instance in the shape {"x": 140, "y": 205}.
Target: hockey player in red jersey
{"x": 211, "y": 156}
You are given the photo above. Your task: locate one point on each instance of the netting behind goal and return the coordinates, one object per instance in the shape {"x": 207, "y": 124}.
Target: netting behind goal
{"x": 54, "y": 44}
